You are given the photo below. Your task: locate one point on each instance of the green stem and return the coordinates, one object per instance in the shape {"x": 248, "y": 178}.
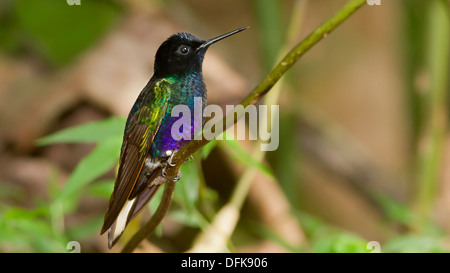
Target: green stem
{"x": 430, "y": 157}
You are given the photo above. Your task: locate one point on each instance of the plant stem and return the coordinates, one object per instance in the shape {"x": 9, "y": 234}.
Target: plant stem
{"x": 255, "y": 95}
{"x": 430, "y": 154}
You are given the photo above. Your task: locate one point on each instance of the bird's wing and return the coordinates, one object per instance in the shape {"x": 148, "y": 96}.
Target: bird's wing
{"x": 140, "y": 130}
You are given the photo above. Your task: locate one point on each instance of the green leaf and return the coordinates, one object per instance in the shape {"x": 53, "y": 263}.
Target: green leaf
{"x": 394, "y": 210}
{"x": 89, "y": 132}
{"x": 329, "y": 239}
{"x": 413, "y": 244}
{"x": 23, "y": 214}
{"x": 23, "y": 230}
{"x": 186, "y": 191}
{"x": 186, "y": 195}
{"x": 100, "y": 160}
{"x": 206, "y": 150}
{"x": 272, "y": 235}
{"x": 340, "y": 243}
{"x": 85, "y": 230}
{"x": 185, "y": 218}
{"x": 239, "y": 154}
{"x": 102, "y": 188}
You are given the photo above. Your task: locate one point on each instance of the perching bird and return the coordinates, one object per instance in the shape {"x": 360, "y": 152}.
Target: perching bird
{"x": 148, "y": 145}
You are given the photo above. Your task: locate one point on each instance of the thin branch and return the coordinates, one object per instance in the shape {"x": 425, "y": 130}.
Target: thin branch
{"x": 255, "y": 95}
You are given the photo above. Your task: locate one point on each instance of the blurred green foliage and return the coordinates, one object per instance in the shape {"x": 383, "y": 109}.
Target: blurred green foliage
{"x": 42, "y": 230}
{"x": 52, "y": 29}
{"x": 107, "y": 135}
{"x": 24, "y": 224}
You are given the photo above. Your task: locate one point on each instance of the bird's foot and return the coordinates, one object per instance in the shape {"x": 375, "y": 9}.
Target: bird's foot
{"x": 170, "y": 154}
{"x": 178, "y": 177}
{"x": 169, "y": 163}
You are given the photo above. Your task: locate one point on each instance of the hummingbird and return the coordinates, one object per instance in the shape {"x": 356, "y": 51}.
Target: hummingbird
{"x": 148, "y": 145}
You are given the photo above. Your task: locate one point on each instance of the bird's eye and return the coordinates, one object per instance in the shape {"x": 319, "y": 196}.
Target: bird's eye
{"x": 183, "y": 50}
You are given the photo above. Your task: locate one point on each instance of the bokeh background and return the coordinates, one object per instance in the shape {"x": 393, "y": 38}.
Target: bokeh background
{"x": 364, "y": 145}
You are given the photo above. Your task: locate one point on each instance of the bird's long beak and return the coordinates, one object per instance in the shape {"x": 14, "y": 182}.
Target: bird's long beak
{"x": 218, "y": 38}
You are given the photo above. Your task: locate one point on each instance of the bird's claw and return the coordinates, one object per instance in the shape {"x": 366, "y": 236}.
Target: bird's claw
{"x": 169, "y": 163}
{"x": 178, "y": 177}
{"x": 169, "y": 160}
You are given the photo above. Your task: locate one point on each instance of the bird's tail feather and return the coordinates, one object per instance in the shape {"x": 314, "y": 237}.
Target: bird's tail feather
{"x": 129, "y": 211}
{"x": 117, "y": 228}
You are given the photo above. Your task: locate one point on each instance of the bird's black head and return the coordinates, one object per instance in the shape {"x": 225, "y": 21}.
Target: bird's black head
{"x": 178, "y": 55}
{"x": 183, "y": 53}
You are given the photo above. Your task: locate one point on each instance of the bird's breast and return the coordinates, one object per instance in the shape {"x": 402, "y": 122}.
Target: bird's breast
{"x": 190, "y": 92}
